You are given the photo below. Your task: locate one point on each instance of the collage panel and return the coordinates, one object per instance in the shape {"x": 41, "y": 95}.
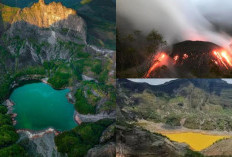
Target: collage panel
{"x": 57, "y": 78}
{"x": 174, "y": 117}
{"x": 174, "y": 39}
{"x": 174, "y": 70}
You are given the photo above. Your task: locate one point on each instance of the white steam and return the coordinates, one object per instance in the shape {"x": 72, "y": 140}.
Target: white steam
{"x": 178, "y": 20}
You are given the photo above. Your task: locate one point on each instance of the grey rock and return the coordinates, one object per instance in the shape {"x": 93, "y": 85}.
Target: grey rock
{"x": 107, "y": 150}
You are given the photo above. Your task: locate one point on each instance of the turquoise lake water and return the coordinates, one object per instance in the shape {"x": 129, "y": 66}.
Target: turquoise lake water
{"x": 39, "y": 107}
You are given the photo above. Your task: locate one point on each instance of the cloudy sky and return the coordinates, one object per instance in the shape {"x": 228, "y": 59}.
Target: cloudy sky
{"x": 162, "y": 81}
{"x": 178, "y": 20}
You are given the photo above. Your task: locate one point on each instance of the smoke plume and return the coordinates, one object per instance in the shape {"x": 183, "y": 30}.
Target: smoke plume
{"x": 178, "y": 20}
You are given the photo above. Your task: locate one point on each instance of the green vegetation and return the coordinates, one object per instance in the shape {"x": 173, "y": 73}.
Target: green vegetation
{"x": 82, "y": 105}
{"x": 173, "y": 120}
{"x": 85, "y": 1}
{"x": 59, "y": 80}
{"x": 100, "y": 24}
{"x": 14, "y": 150}
{"x": 92, "y": 67}
{"x": 192, "y": 106}
{"x": 102, "y": 90}
{"x": 88, "y": 95}
{"x": 7, "y": 79}
{"x": 191, "y": 153}
{"x": 79, "y": 140}
{"x": 8, "y": 136}
{"x": 133, "y": 50}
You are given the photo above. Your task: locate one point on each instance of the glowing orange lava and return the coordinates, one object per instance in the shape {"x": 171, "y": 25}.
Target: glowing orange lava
{"x": 227, "y": 58}
{"x": 223, "y": 58}
{"x": 176, "y": 58}
{"x": 157, "y": 59}
{"x": 185, "y": 56}
{"x": 215, "y": 62}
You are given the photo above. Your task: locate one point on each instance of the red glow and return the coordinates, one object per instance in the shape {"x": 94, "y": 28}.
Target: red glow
{"x": 227, "y": 58}
{"x": 223, "y": 58}
{"x": 176, "y": 58}
{"x": 215, "y": 62}
{"x": 157, "y": 59}
{"x": 185, "y": 56}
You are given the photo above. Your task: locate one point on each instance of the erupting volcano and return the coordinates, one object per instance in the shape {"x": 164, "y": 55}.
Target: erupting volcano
{"x": 195, "y": 58}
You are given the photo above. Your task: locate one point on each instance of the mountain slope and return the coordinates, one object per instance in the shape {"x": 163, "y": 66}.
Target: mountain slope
{"x": 49, "y": 32}
{"x": 132, "y": 141}
{"x": 195, "y": 103}
{"x": 220, "y": 148}
{"x": 100, "y": 24}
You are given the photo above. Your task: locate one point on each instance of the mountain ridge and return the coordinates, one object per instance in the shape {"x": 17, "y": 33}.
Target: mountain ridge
{"x": 209, "y": 85}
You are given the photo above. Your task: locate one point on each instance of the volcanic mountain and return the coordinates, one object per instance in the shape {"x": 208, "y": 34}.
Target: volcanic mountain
{"x": 198, "y": 57}
{"x": 193, "y": 59}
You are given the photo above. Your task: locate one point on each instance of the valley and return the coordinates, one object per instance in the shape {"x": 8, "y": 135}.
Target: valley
{"x": 197, "y": 139}
{"x": 199, "y": 116}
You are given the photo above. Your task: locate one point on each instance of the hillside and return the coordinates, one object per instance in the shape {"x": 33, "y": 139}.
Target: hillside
{"x": 220, "y": 148}
{"x": 134, "y": 141}
{"x": 101, "y": 25}
{"x": 196, "y": 103}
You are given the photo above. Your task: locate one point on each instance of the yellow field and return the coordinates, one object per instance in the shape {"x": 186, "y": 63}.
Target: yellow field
{"x": 196, "y": 141}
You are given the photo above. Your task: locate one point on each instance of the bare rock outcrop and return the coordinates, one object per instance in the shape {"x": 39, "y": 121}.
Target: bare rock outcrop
{"x": 140, "y": 143}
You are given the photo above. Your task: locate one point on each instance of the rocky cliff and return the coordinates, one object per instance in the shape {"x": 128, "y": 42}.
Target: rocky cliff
{"x": 45, "y": 16}
{"x": 219, "y": 148}
{"x": 41, "y": 32}
{"x": 135, "y": 142}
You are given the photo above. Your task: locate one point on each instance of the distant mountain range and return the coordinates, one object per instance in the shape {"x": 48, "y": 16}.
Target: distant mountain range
{"x": 208, "y": 85}
{"x": 193, "y": 103}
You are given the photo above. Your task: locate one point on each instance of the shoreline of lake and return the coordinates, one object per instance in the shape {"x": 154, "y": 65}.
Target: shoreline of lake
{"x": 160, "y": 127}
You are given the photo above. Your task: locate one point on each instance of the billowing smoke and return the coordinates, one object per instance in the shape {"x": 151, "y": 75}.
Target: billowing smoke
{"x": 178, "y": 20}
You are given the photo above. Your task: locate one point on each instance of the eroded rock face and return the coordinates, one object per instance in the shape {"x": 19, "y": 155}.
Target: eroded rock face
{"x": 220, "y": 148}
{"x": 139, "y": 143}
{"x": 41, "y": 33}
{"x": 42, "y": 146}
{"x": 52, "y": 15}
{"x": 108, "y": 134}
{"x": 43, "y": 15}
{"x": 107, "y": 150}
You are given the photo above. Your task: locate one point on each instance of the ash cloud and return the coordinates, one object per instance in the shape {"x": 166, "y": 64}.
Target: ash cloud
{"x": 178, "y": 20}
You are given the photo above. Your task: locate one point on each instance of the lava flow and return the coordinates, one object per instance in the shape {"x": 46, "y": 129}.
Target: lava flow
{"x": 185, "y": 56}
{"x": 223, "y": 58}
{"x": 157, "y": 61}
{"x": 176, "y": 58}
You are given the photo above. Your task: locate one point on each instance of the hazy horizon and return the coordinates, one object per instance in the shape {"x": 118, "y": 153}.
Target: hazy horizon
{"x": 158, "y": 81}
